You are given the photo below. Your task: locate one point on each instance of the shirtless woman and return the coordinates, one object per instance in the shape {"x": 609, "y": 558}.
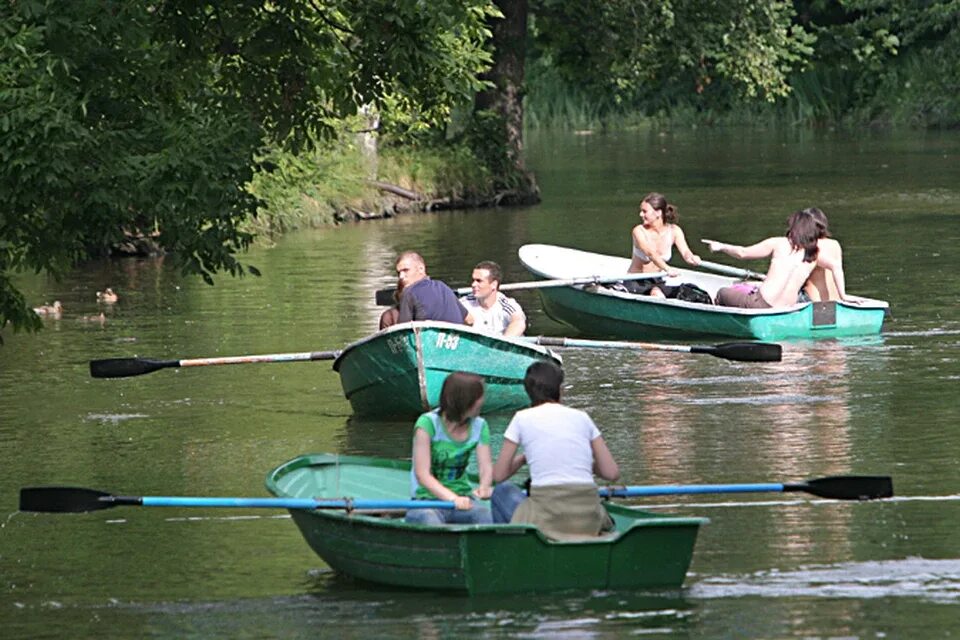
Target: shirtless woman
{"x": 653, "y": 242}
{"x": 793, "y": 258}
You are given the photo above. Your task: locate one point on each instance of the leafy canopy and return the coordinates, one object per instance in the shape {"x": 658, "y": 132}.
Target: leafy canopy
{"x": 137, "y": 116}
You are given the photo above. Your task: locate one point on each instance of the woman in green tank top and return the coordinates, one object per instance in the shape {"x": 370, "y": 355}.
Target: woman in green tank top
{"x": 443, "y": 441}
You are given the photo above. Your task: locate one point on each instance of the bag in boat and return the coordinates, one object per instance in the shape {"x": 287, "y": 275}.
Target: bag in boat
{"x": 691, "y": 293}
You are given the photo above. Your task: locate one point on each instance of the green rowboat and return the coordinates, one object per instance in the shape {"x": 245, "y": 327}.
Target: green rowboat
{"x": 398, "y": 372}
{"x": 602, "y": 311}
{"x": 646, "y": 550}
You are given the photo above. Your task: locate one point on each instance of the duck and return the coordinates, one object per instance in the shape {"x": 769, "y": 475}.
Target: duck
{"x": 107, "y": 295}
{"x": 53, "y": 310}
{"x": 100, "y": 318}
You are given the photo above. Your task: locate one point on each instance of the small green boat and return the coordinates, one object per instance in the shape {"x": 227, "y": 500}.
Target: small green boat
{"x": 602, "y": 311}
{"x": 399, "y": 371}
{"x": 646, "y": 551}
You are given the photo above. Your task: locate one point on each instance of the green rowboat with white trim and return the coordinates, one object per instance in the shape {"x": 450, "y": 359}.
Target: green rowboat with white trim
{"x": 646, "y": 551}
{"x": 398, "y": 372}
{"x": 602, "y": 311}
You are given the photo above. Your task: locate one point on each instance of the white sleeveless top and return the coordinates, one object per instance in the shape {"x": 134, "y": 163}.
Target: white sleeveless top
{"x": 666, "y": 255}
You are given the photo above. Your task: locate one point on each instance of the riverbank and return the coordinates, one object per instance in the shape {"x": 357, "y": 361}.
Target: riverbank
{"x": 351, "y": 179}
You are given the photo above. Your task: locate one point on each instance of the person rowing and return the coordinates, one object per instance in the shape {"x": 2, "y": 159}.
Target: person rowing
{"x": 793, "y": 257}
{"x": 653, "y": 242}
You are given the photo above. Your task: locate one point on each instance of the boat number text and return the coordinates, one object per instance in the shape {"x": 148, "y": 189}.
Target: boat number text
{"x": 397, "y": 344}
{"x": 448, "y": 341}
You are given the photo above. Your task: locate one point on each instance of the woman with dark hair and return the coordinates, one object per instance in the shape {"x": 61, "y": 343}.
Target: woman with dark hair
{"x": 793, "y": 257}
{"x": 564, "y": 449}
{"x": 443, "y": 440}
{"x": 653, "y": 242}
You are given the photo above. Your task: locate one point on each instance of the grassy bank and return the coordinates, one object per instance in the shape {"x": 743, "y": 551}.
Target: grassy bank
{"x": 919, "y": 89}
{"x": 341, "y": 180}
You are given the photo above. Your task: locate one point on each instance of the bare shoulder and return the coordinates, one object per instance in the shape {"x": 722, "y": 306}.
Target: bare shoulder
{"x": 830, "y": 245}
{"x": 779, "y": 244}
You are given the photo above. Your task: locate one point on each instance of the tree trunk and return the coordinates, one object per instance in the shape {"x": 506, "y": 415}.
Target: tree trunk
{"x": 505, "y": 98}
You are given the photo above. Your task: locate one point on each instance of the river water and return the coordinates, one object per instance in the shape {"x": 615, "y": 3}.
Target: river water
{"x": 771, "y": 566}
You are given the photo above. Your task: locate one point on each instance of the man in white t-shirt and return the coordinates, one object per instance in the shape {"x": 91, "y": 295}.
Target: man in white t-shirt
{"x": 490, "y": 310}
{"x": 564, "y": 449}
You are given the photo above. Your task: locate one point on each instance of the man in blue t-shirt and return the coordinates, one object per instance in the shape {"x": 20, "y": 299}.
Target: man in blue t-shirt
{"x": 423, "y": 298}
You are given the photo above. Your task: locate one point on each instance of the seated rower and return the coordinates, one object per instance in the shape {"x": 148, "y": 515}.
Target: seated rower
{"x": 443, "y": 441}
{"x": 653, "y": 242}
{"x": 489, "y": 309}
{"x": 564, "y": 449}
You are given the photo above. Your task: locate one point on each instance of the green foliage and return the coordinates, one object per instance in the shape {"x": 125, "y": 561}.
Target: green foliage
{"x": 134, "y": 115}
{"x": 810, "y": 61}
{"x": 306, "y": 188}
{"x": 452, "y": 170}
{"x": 625, "y": 53}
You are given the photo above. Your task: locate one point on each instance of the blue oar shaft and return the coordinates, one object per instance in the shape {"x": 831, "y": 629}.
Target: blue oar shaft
{"x": 292, "y": 503}
{"x": 680, "y": 489}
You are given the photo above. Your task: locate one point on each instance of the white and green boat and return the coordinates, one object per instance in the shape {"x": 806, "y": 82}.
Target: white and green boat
{"x": 602, "y": 311}
{"x": 398, "y": 372}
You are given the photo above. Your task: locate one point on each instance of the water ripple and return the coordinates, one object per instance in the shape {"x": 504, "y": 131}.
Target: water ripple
{"x": 933, "y": 580}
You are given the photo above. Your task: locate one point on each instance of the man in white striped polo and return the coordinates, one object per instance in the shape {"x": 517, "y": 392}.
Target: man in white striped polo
{"x": 489, "y": 309}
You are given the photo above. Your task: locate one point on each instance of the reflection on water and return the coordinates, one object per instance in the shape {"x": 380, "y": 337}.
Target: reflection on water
{"x": 933, "y": 580}
{"x": 766, "y": 566}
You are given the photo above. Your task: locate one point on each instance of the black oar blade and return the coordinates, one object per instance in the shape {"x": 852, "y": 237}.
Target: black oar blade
{"x": 385, "y": 297}
{"x": 127, "y": 367}
{"x": 62, "y": 499}
{"x": 847, "y": 487}
{"x": 743, "y": 351}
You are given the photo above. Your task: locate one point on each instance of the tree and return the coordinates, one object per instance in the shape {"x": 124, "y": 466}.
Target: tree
{"x": 126, "y": 116}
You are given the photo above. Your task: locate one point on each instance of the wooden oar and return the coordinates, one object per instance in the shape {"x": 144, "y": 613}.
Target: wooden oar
{"x": 126, "y": 367}
{"x": 384, "y": 297}
{"x": 835, "y": 487}
{"x": 78, "y": 500}
{"x": 732, "y": 271}
{"x": 742, "y": 351}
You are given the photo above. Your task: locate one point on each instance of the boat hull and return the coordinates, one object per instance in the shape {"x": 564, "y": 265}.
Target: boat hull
{"x": 601, "y": 311}
{"x": 399, "y": 372}
{"x": 647, "y": 550}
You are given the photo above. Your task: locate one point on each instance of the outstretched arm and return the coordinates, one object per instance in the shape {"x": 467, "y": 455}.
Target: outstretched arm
{"x": 762, "y": 249}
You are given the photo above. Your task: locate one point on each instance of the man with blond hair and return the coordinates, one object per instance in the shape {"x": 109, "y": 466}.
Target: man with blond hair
{"x": 424, "y": 298}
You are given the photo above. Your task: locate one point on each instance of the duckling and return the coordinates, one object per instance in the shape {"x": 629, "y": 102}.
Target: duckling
{"x": 107, "y": 296}
{"x": 100, "y": 318}
{"x": 53, "y": 310}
